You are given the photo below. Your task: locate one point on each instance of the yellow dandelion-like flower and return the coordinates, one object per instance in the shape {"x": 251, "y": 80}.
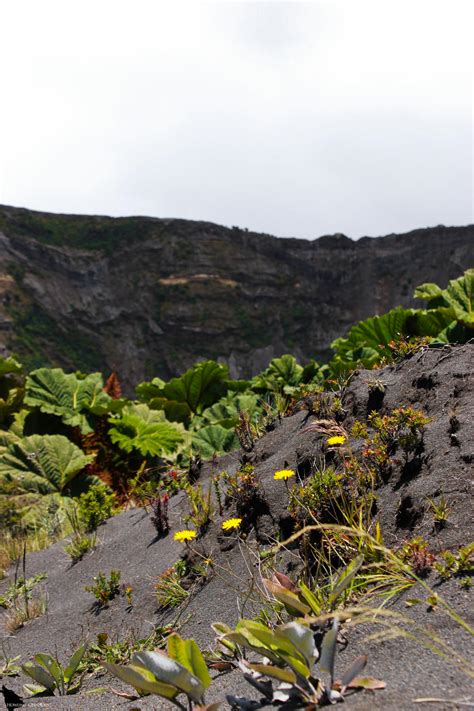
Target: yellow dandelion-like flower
{"x": 284, "y": 474}
{"x": 337, "y": 439}
{"x": 231, "y": 523}
{"x": 186, "y": 535}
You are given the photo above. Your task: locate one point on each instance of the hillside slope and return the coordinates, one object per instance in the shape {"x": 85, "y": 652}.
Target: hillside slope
{"x": 439, "y": 382}
{"x": 150, "y": 296}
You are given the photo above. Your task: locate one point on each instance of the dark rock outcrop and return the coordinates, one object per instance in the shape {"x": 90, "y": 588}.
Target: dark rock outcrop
{"x": 149, "y": 296}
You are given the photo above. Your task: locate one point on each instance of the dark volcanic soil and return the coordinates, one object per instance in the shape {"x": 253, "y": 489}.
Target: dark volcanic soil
{"x": 438, "y": 381}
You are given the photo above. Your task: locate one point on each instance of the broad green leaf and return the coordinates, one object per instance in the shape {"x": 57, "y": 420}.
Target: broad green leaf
{"x": 145, "y": 430}
{"x": 149, "y": 390}
{"x": 428, "y": 292}
{"x": 187, "y": 653}
{"x": 34, "y": 689}
{"x": 430, "y": 323}
{"x": 221, "y": 628}
{"x": 142, "y": 680}
{"x": 367, "y": 341}
{"x": 199, "y": 387}
{"x": 182, "y": 398}
{"x": 171, "y": 672}
{"x": 42, "y": 464}
{"x": 238, "y": 638}
{"x": 10, "y": 366}
{"x": 226, "y": 412}
{"x": 289, "y": 599}
{"x": 450, "y": 309}
{"x": 280, "y": 645}
{"x": 65, "y": 395}
{"x": 310, "y": 598}
{"x": 244, "y": 638}
{"x": 50, "y": 664}
{"x": 40, "y": 675}
{"x": 285, "y": 675}
{"x": 328, "y": 650}
{"x": 214, "y": 439}
{"x": 281, "y": 372}
{"x": 459, "y": 295}
{"x": 302, "y": 639}
{"x": 74, "y": 662}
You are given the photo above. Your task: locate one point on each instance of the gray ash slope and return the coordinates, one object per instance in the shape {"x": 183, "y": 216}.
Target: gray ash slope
{"x": 438, "y": 381}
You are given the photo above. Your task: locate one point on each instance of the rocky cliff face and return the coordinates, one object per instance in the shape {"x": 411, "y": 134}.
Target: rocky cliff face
{"x": 149, "y": 297}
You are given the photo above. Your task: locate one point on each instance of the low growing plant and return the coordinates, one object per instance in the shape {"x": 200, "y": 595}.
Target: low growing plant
{"x": 121, "y": 651}
{"x": 176, "y": 584}
{"x": 79, "y": 545}
{"x": 105, "y": 589}
{"x": 295, "y": 669}
{"x": 458, "y": 564}
{"x": 8, "y": 665}
{"x": 309, "y": 499}
{"x": 440, "y": 511}
{"x": 181, "y": 671}
{"x": 21, "y": 589}
{"x": 159, "y": 515}
{"x": 202, "y": 507}
{"x": 243, "y": 490}
{"x": 81, "y": 542}
{"x": 95, "y": 506}
{"x": 50, "y": 676}
{"x": 418, "y": 556}
{"x": 170, "y": 592}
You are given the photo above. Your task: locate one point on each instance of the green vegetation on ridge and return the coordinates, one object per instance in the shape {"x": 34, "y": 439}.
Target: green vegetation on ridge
{"x": 62, "y": 432}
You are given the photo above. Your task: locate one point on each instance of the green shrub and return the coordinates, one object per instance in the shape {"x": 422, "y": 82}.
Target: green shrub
{"x": 79, "y": 546}
{"x": 95, "y": 506}
{"x": 104, "y": 590}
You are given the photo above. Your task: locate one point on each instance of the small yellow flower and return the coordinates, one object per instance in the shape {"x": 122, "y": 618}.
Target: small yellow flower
{"x": 337, "y": 439}
{"x": 186, "y": 535}
{"x": 284, "y": 474}
{"x": 231, "y": 523}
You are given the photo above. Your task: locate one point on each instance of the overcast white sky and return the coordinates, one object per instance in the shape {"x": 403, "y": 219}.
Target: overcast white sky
{"x": 297, "y": 119}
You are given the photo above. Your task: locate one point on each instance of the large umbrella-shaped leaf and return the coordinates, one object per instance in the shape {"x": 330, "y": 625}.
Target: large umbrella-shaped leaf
{"x": 141, "y": 429}
{"x": 42, "y": 464}
{"x": 458, "y": 295}
{"x": 214, "y": 439}
{"x": 226, "y": 411}
{"x": 452, "y": 307}
{"x": 367, "y": 341}
{"x": 182, "y": 398}
{"x": 74, "y": 399}
{"x": 281, "y": 372}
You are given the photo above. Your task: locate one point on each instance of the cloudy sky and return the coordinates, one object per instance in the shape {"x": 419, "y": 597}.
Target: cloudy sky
{"x": 297, "y": 119}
